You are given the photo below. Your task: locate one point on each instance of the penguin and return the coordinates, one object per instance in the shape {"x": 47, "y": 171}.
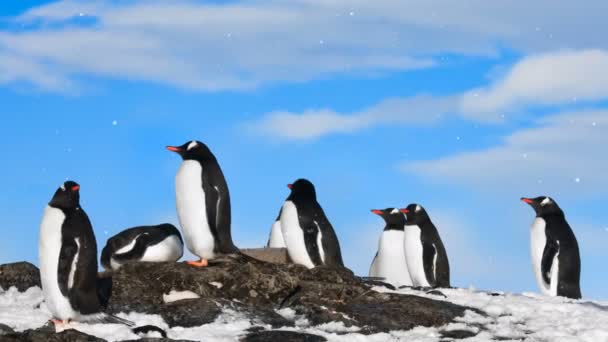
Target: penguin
{"x": 68, "y": 261}
{"x": 276, "y": 235}
{"x": 309, "y": 237}
{"x": 203, "y": 203}
{"x": 389, "y": 262}
{"x": 427, "y": 260}
{"x": 143, "y": 244}
{"x": 555, "y": 255}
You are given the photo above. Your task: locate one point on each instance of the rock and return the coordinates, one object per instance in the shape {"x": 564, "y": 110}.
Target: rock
{"x": 5, "y": 329}
{"x": 22, "y": 275}
{"x": 272, "y": 255}
{"x": 283, "y": 336}
{"x": 48, "y": 335}
{"x": 256, "y": 289}
{"x": 457, "y": 334}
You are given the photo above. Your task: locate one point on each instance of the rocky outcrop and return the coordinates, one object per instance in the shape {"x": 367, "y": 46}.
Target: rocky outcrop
{"x": 283, "y": 336}
{"x": 22, "y": 275}
{"x": 46, "y": 334}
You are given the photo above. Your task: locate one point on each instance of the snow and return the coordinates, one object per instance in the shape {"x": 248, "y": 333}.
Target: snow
{"x": 527, "y": 316}
{"x": 174, "y": 296}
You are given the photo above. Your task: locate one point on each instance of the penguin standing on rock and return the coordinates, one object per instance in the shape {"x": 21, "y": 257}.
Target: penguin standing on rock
{"x": 68, "y": 261}
{"x": 309, "y": 237}
{"x": 389, "y": 263}
{"x": 203, "y": 203}
{"x": 276, "y": 235}
{"x": 426, "y": 257}
{"x": 554, "y": 249}
{"x": 162, "y": 243}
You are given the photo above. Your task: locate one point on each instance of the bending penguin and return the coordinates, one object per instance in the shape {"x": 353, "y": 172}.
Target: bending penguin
{"x": 389, "y": 262}
{"x": 276, "y": 235}
{"x": 143, "y": 244}
{"x": 203, "y": 203}
{"x": 427, "y": 260}
{"x": 554, "y": 249}
{"x": 309, "y": 237}
{"x": 68, "y": 261}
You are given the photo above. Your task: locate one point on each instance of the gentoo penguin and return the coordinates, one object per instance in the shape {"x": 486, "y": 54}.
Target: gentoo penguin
{"x": 309, "y": 237}
{"x": 68, "y": 260}
{"x": 203, "y": 203}
{"x": 389, "y": 262}
{"x": 145, "y": 244}
{"x": 426, "y": 258}
{"x": 276, "y": 235}
{"x": 555, "y": 256}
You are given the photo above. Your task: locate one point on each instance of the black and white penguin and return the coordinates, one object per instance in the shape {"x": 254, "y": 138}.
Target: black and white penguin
{"x": 389, "y": 262}
{"x": 426, "y": 258}
{"x": 203, "y": 203}
{"x": 554, "y": 250}
{"x": 162, "y": 243}
{"x": 68, "y": 260}
{"x": 309, "y": 237}
{"x": 276, "y": 235}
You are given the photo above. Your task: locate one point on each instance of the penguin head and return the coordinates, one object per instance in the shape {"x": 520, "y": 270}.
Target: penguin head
{"x": 543, "y": 205}
{"x": 415, "y": 214}
{"x": 67, "y": 196}
{"x": 192, "y": 150}
{"x": 302, "y": 188}
{"x": 392, "y": 216}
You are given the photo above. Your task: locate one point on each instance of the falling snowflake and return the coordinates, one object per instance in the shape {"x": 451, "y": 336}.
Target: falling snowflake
{"x": 351, "y": 13}
{"x": 114, "y": 123}
{"x": 577, "y": 180}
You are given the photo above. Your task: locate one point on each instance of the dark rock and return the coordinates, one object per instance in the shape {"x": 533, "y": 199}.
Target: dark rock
{"x": 157, "y": 340}
{"x": 5, "y": 329}
{"x": 49, "y": 335}
{"x": 258, "y": 288}
{"x": 436, "y": 293}
{"x": 283, "y": 336}
{"x": 272, "y": 255}
{"x": 22, "y": 275}
{"x": 457, "y": 334}
{"x": 149, "y": 329}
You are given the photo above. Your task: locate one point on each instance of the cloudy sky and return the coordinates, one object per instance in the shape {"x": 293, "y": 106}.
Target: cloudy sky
{"x": 461, "y": 106}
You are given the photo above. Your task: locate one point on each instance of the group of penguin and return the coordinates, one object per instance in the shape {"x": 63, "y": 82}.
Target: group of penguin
{"x": 410, "y": 251}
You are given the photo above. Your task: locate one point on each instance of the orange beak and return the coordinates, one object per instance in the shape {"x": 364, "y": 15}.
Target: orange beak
{"x": 405, "y": 211}
{"x": 527, "y": 200}
{"x": 76, "y": 188}
{"x": 377, "y": 212}
{"x": 290, "y": 186}
{"x": 173, "y": 149}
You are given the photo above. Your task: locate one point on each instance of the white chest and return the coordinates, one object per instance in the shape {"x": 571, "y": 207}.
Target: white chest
{"x": 192, "y": 210}
{"x": 390, "y": 262}
{"x": 49, "y": 247}
{"x": 294, "y": 235}
{"x": 538, "y": 240}
{"x": 413, "y": 256}
{"x": 276, "y": 236}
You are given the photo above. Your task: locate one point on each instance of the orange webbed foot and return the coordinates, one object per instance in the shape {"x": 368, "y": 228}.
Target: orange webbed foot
{"x": 200, "y": 263}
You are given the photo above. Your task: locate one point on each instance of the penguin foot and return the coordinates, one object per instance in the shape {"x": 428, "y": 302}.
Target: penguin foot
{"x": 60, "y": 323}
{"x": 200, "y": 263}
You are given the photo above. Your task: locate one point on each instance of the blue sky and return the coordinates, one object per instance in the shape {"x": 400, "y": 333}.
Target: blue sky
{"x": 461, "y": 108}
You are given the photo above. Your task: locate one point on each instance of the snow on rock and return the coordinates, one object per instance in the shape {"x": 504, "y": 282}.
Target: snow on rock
{"x": 174, "y": 296}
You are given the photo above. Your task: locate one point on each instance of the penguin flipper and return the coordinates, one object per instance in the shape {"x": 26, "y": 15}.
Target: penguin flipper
{"x": 69, "y": 250}
{"x": 429, "y": 253}
{"x": 217, "y": 203}
{"x": 551, "y": 249}
{"x": 331, "y": 245}
{"x": 142, "y": 241}
{"x": 105, "y": 318}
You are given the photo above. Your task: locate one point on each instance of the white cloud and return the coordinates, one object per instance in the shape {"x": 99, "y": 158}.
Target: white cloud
{"x": 313, "y": 124}
{"x": 546, "y": 79}
{"x": 242, "y": 44}
{"x": 565, "y": 154}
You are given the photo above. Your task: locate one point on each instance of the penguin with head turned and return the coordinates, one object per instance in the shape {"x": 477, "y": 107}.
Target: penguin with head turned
{"x": 68, "y": 260}
{"x": 555, "y": 256}
{"x": 161, "y": 243}
{"x": 426, "y": 257}
{"x": 389, "y": 262}
{"x": 309, "y": 237}
{"x": 203, "y": 203}
{"x": 276, "y": 235}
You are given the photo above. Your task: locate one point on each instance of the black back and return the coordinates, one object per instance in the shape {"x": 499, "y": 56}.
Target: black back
{"x": 432, "y": 246}
{"x": 559, "y": 239}
{"x": 147, "y": 236}
{"x": 312, "y": 219}
{"x": 394, "y": 219}
{"x": 77, "y": 226}
{"x": 217, "y": 196}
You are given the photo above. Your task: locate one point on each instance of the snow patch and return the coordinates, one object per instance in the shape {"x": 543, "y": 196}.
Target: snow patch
{"x": 175, "y": 296}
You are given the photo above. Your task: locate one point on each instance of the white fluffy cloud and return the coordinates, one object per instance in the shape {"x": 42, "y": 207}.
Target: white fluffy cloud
{"x": 313, "y": 124}
{"x": 546, "y": 79}
{"x": 242, "y": 44}
{"x": 564, "y": 154}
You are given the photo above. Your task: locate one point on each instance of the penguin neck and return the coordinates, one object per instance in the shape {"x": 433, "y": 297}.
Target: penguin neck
{"x": 394, "y": 226}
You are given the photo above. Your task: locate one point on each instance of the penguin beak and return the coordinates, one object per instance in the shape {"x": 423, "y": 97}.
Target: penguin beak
{"x": 377, "y": 212}
{"x": 173, "y": 149}
{"x": 405, "y": 211}
{"x": 527, "y": 200}
{"x": 290, "y": 186}
{"x": 76, "y": 188}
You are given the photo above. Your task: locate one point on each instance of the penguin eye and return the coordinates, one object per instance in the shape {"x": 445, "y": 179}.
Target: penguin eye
{"x": 418, "y": 208}
{"x": 192, "y": 145}
{"x": 62, "y": 187}
{"x": 546, "y": 201}
{"x": 394, "y": 211}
